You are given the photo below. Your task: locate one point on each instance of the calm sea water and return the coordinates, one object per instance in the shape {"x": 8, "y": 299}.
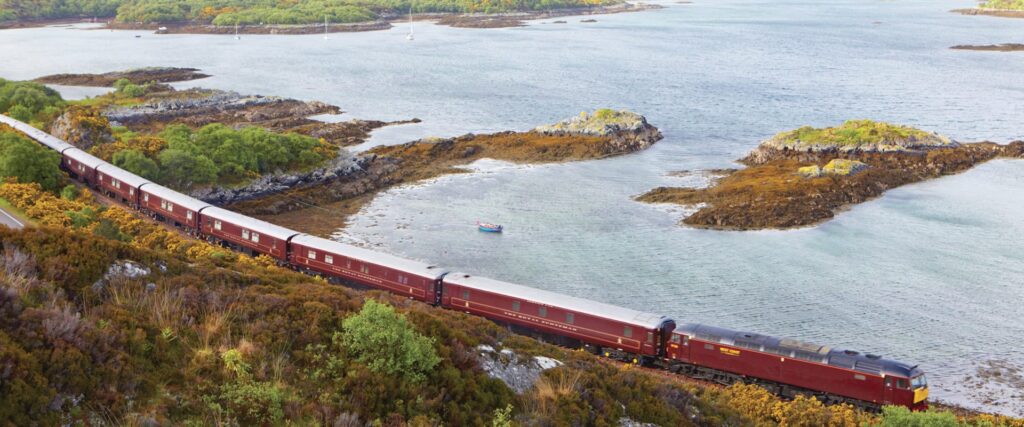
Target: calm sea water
{"x": 931, "y": 274}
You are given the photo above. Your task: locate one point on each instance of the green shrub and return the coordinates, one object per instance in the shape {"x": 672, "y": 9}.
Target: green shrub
{"x": 70, "y": 192}
{"x": 27, "y": 161}
{"x": 385, "y": 342}
{"x": 898, "y": 416}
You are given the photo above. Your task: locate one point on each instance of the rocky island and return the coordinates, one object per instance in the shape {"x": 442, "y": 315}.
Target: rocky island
{"x": 805, "y": 176}
{"x": 1005, "y": 47}
{"x": 587, "y": 136}
{"x": 136, "y": 76}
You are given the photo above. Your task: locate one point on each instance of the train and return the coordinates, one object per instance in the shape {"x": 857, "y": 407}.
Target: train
{"x": 784, "y": 366}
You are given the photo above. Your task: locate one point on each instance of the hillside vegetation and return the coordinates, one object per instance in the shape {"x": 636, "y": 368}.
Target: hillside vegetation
{"x": 109, "y": 319}
{"x": 231, "y": 12}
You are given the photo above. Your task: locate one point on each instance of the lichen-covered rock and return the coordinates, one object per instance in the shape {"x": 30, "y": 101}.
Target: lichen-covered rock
{"x": 844, "y": 167}
{"x": 836, "y": 167}
{"x": 812, "y": 171}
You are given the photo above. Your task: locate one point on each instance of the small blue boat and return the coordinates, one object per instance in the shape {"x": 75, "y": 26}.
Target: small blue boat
{"x": 488, "y": 227}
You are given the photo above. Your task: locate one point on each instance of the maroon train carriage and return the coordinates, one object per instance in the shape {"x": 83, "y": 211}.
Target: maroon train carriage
{"x": 789, "y": 367}
{"x": 81, "y": 165}
{"x": 247, "y": 234}
{"x": 616, "y": 332}
{"x": 119, "y": 183}
{"x": 408, "y": 278}
{"x": 41, "y": 137}
{"x": 171, "y": 206}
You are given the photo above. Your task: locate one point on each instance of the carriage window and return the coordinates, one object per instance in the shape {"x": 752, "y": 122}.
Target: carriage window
{"x": 188, "y": 215}
{"x": 515, "y": 305}
{"x": 888, "y": 382}
{"x": 650, "y": 337}
{"x": 145, "y": 197}
{"x": 216, "y": 225}
{"x": 569, "y": 318}
{"x": 256, "y": 237}
{"x": 365, "y": 269}
{"x": 465, "y": 295}
{"x": 328, "y": 259}
{"x": 627, "y": 332}
{"x": 860, "y": 377}
{"x": 542, "y": 311}
{"x": 131, "y": 191}
{"x": 348, "y": 264}
{"x": 312, "y": 255}
{"x": 675, "y": 339}
{"x": 170, "y": 207}
{"x": 903, "y": 383}
{"x": 245, "y": 234}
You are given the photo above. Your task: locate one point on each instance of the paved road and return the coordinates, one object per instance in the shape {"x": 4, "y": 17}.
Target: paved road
{"x": 9, "y": 220}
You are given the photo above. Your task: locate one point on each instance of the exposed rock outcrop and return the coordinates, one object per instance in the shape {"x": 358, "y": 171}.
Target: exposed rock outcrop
{"x": 197, "y": 107}
{"x": 517, "y": 372}
{"x": 344, "y": 165}
{"x": 628, "y": 131}
{"x": 82, "y": 127}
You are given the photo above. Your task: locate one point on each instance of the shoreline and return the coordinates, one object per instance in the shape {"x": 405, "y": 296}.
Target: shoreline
{"x": 456, "y": 20}
{"x": 1002, "y": 13}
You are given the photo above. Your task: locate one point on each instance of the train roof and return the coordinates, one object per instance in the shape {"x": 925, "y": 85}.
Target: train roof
{"x": 175, "y": 197}
{"x": 123, "y": 175}
{"x": 540, "y": 296}
{"x": 867, "y": 363}
{"x": 366, "y": 255}
{"x": 84, "y": 158}
{"x": 249, "y": 223}
{"x": 39, "y": 136}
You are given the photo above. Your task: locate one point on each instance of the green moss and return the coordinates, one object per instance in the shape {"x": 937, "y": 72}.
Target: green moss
{"x": 858, "y": 134}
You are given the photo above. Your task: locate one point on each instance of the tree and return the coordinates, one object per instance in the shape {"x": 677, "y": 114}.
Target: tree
{"x": 28, "y": 162}
{"x": 386, "y": 343}
{"x": 135, "y": 162}
{"x": 182, "y": 169}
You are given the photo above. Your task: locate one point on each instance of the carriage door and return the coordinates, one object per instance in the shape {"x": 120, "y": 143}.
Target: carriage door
{"x": 887, "y": 388}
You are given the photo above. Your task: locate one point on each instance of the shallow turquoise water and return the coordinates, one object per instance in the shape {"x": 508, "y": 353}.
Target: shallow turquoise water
{"x": 930, "y": 273}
